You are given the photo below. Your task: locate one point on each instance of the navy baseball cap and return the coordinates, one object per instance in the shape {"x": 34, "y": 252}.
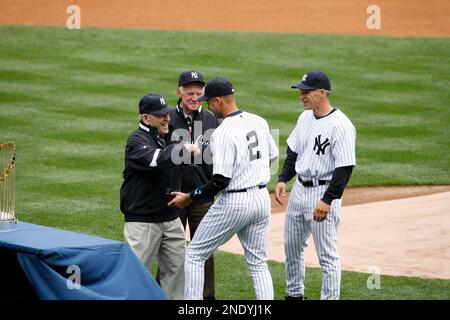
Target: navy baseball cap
{"x": 190, "y": 77}
{"x": 313, "y": 80}
{"x": 154, "y": 104}
{"x": 217, "y": 87}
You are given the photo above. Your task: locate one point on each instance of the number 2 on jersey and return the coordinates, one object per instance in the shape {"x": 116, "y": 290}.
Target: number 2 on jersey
{"x": 252, "y": 138}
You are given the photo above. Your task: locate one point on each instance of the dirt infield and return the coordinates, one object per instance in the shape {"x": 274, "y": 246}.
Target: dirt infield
{"x": 407, "y": 237}
{"x": 400, "y": 17}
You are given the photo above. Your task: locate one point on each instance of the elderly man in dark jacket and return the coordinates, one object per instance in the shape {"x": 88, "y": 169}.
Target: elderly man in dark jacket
{"x": 152, "y": 229}
{"x": 195, "y": 125}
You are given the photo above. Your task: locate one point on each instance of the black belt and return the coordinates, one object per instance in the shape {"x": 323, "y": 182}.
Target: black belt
{"x": 310, "y": 183}
{"x": 245, "y": 190}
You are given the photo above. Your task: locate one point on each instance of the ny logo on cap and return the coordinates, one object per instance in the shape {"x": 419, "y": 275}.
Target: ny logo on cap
{"x": 194, "y": 75}
{"x": 304, "y": 77}
{"x": 163, "y": 102}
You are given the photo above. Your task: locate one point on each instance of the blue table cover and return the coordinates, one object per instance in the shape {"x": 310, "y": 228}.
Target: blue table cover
{"x": 108, "y": 268}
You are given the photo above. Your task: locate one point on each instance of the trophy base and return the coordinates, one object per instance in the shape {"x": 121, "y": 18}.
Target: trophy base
{"x": 8, "y": 225}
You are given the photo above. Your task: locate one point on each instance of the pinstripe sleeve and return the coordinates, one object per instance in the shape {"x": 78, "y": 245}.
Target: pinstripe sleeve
{"x": 344, "y": 148}
{"x": 273, "y": 149}
{"x": 292, "y": 139}
{"x": 223, "y": 153}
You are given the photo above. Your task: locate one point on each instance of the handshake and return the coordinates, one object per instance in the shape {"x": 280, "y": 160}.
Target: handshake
{"x": 192, "y": 148}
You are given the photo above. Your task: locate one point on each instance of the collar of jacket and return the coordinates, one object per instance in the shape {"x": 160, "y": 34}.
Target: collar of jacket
{"x": 195, "y": 115}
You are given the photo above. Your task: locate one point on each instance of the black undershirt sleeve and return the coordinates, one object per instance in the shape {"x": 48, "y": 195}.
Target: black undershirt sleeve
{"x": 337, "y": 185}
{"x": 288, "y": 171}
{"x": 209, "y": 190}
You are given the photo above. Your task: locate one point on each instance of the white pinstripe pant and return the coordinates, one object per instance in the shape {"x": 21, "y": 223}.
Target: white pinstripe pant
{"x": 299, "y": 225}
{"x": 246, "y": 214}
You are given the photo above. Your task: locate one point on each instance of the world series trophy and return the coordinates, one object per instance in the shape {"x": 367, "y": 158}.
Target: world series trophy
{"x": 8, "y": 221}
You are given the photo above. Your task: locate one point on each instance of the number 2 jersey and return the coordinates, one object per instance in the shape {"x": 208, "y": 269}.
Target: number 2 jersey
{"x": 242, "y": 148}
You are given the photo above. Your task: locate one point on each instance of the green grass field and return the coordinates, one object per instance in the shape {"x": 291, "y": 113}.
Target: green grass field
{"x": 68, "y": 99}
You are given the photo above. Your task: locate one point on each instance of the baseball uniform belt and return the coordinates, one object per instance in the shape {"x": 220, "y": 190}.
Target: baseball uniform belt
{"x": 245, "y": 190}
{"x": 313, "y": 183}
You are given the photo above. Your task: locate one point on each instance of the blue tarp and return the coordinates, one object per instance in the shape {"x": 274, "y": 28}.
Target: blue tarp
{"x": 56, "y": 261}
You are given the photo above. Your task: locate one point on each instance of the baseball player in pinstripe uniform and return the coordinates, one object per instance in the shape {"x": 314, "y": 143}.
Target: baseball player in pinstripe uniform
{"x": 321, "y": 152}
{"x": 242, "y": 149}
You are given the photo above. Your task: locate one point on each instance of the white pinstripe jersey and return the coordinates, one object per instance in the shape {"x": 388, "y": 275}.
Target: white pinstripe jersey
{"x": 322, "y": 144}
{"x": 242, "y": 148}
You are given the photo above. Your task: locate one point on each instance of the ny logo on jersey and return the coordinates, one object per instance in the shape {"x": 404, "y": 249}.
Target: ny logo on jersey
{"x": 194, "y": 75}
{"x": 321, "y": 146}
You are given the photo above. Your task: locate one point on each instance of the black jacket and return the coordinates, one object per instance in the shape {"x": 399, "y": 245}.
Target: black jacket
{"x": 148, "y": 171}
{"x": 198, "y": 172}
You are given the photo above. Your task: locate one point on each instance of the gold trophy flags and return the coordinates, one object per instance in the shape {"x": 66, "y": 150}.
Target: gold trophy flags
{"x": 8, "y": 221}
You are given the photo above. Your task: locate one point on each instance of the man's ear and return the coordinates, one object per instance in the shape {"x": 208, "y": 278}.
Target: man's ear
{"x": 146, "y": 119}
{"x": 178, "y": 92}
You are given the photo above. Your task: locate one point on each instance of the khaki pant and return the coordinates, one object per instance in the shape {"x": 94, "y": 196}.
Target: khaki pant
{"x": 163, "y": 242}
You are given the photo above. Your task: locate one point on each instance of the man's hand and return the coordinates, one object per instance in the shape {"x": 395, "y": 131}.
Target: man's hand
{"x": 280, "y": 191}
{"x": 321, "y": 210}
{"x": 192, "y": 148}
{"x": 181, "y": 199}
